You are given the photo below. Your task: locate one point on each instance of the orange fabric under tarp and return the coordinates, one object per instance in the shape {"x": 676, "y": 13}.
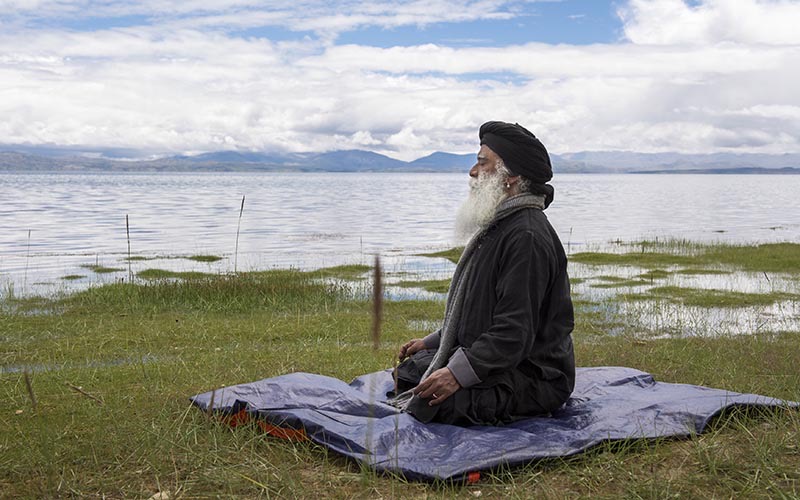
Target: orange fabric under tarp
{"x": 242, "y": 418}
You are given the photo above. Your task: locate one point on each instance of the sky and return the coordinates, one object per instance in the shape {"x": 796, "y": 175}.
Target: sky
{"x": 402, "y": 78}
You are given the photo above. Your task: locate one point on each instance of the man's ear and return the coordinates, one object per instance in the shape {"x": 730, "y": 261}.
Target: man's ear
{"x": 512, "y": 180}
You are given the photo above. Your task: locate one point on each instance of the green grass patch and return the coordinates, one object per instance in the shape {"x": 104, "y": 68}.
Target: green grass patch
{"x": 161, "y": 274}
{"x": 139, "y": 258}
{"x": 768, "y": 258}
{"x": 452, "y": 254}
{"x": 618, "y": 282}
{"x": 101, "y": 269}
{"x": 345, "y": 272}
{"x": 641, "y": 259}
{"x": 702, "y": 272}
{"x": 655, "y": 274}
{"x": 438, "y": 286}
{"x": 205, "y": 258}
{"x": 73, "y": 277}
{"x": 711, "y": 298}
{"x": 144, "y": 348}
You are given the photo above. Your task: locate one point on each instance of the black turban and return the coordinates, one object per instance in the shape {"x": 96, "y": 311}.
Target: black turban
{"x": 520, "y": 150}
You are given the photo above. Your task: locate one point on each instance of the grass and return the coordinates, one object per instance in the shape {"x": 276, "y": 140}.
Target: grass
{"x": 204, "y": 258}
{"x": 162, "y": 274}
{"x": 73, "y": 277}
{"x": 452, "y": 254}
{"x": 649, "y": 259}
{"x": 767, "y": 258}
{"x": 712, "y": 298}
{"x": 101, "y": 269}
{"x": 618, "y": 282}
{"x": 437, "y": 286}
{"x": 345, "y": 272}
{"x": 654, "y": 274}
{"x": 702, "y": 272}
{"x": 143, "y": 349}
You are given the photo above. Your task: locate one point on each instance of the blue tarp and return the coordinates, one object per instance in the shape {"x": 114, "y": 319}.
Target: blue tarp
{"x": 609, "y": 403}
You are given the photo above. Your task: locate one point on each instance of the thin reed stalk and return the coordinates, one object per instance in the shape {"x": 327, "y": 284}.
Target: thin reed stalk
{"x": 238, "y": 226}
{"x": 210, "y": 409}
{"x": 29, "y": 385}
{"x": 128, "y": 232}
{"x": 569, "y": 241}
{"x": 27, "y": 258}
{"x": 377, "y": 316}
{"x": 377, "y": 305}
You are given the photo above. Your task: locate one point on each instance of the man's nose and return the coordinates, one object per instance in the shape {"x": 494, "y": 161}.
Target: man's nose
{"x": 473, "y": 172}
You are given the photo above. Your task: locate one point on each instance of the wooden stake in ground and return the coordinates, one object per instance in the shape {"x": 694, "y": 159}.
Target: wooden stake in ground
{"x": 29, "y": 385}
{"x": 377, "y": 305}
{"x": 81, "y": 391}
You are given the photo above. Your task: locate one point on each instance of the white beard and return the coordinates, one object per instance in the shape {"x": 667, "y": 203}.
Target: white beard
{"x": 486, "y": 193}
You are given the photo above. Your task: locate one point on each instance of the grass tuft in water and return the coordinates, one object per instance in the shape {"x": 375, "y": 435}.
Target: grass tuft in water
{"x": 101, "y": 269}
{"x": 452, "y": 254}
{"x": 619, "y": 282}
{"x": 345, "y": 272}
{"x": 641, "y": 259}
{"x": 772, "y": 257}
{"x": 73, "y": 277}
{"x": 437, "y": 286}
{"x": 702, "y": 272}
{"x": 768, "y": 258}
{"x": 205, "y": 258}
{"x": 710, "y": 298}
{"x": 655, "y": 274}
{"x": 162, "y": 274}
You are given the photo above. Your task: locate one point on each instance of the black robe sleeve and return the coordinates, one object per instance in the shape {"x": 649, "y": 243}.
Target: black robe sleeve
{"x": 524, "y": 271}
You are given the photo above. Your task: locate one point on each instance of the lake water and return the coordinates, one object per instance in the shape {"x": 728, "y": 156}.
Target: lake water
{"x": 52, "y": 224}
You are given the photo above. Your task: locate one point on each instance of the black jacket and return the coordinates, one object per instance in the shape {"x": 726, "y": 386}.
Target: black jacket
{"x": 518, "y": 318}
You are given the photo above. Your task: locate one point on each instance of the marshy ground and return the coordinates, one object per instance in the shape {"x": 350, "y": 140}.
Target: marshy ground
{"x": 111, "y": 368}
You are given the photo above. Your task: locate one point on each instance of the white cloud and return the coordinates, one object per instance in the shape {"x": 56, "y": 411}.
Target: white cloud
{"x": 669, "y": 22}
{"x": 322, "y": 16}
{"x": 548, "y": 61}
{"x": 170, "y": 87}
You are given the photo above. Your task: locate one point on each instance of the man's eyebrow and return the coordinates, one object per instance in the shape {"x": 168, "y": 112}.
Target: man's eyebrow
{"x": 481, "y": 157}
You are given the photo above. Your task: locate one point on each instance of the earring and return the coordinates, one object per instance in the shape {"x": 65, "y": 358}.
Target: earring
{"x": 508, "y": 186}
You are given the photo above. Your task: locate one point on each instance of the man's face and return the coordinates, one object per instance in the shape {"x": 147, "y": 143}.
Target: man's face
{"x": 487, "y": 190}
{"x": 486, "y": 163}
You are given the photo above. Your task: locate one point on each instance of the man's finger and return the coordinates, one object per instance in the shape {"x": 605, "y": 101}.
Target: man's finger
{"x": 438, "y": 398}
{"x": 424, "y": 388}
{"x": 404, "y": 350}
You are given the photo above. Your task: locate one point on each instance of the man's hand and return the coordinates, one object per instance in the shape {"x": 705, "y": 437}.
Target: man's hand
{"x": 411, "y": 347}
{"x": 439, "y": 386}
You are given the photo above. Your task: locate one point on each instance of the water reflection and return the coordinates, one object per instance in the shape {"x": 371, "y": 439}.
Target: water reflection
{"x": 627, "y": 301}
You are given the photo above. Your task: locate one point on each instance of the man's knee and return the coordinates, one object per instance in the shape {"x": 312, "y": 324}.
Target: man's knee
{"x": 479, "y": 406}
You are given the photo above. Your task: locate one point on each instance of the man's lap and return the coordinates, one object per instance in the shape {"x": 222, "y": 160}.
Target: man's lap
{"x": 491, "y": 402}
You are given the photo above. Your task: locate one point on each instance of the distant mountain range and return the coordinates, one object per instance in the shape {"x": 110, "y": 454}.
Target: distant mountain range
{"x": 36, "y": 158}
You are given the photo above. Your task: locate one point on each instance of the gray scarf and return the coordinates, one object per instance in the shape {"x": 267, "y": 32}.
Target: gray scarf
{"x": 455, "y": 295}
